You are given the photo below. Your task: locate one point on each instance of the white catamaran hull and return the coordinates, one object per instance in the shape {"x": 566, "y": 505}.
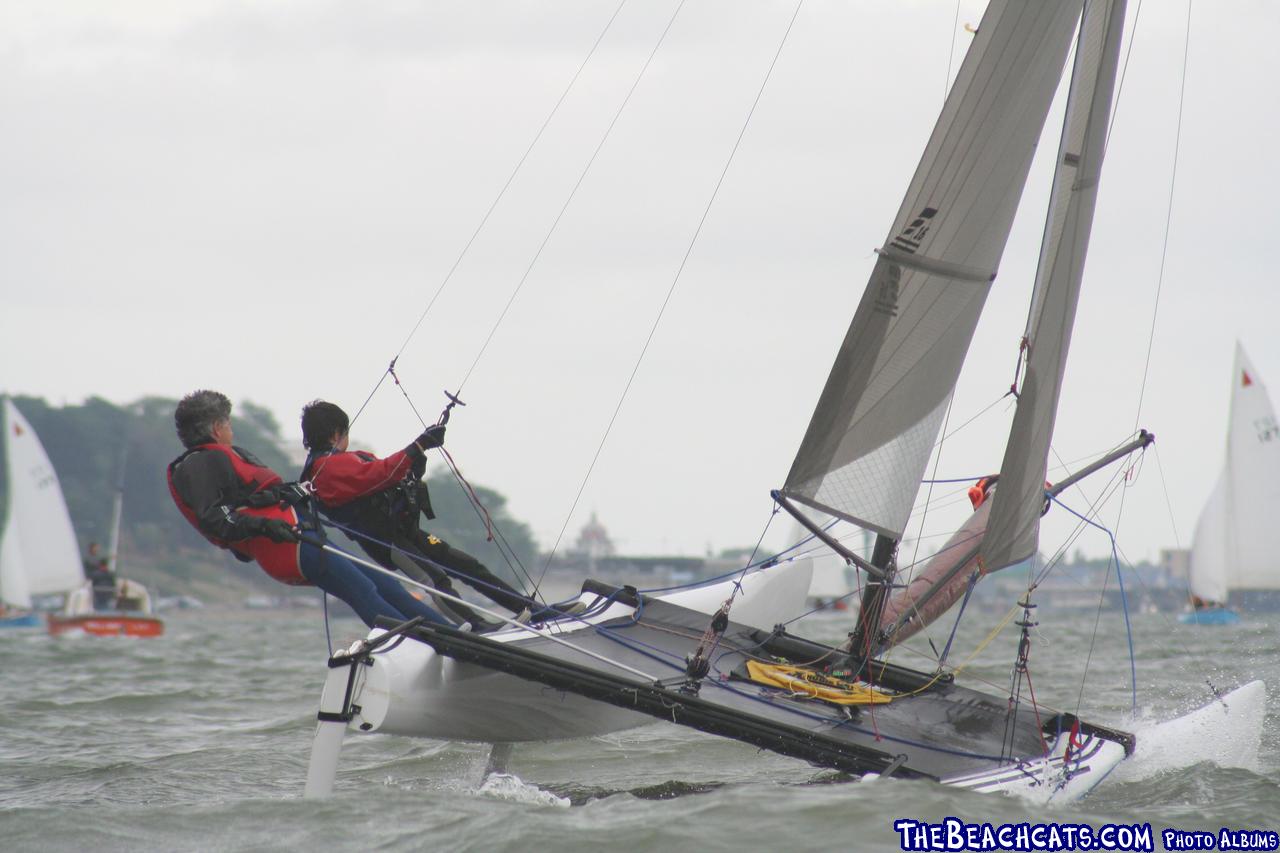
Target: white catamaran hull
{"x": 411, "y": 690}
{"x": 1227, "y": 731}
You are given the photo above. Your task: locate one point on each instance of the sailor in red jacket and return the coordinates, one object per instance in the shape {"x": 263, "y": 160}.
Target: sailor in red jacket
{"x": 239, "y": 504}
{"x": 377, "y": 501}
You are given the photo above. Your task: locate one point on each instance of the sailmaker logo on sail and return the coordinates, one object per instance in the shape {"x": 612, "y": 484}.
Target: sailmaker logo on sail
{"x": 913, "y": 235}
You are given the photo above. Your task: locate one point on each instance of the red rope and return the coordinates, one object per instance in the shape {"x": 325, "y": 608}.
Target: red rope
{"x": 1036, "y": 708}
{"x": 471, "y": 494}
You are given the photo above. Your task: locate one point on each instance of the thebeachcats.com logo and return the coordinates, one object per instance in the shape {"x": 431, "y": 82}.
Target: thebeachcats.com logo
{"x": 955, "y": 834}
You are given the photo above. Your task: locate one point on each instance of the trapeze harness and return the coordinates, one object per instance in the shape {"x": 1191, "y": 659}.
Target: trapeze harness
{"x": 280, "y": 560}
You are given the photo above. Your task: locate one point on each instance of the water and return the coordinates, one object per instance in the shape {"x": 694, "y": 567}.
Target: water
{"x": 200, "y": 740}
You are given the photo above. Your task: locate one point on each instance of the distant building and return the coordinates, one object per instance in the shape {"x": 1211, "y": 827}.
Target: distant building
{"x": 1176, "y": 563}
{"x": 593, "y": 543}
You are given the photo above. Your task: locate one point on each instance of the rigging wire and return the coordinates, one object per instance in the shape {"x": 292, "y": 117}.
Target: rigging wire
{"x": 915, "y": 555}
{"x": 1124, "y": 601}
{"x": 483, "y": 221}
{"x": 1168, "y": 219}
{"x": 493, "y": 531}
{"x": 670, "y": 290}
{"x": 510, "y": 178}
{"x": 951, "y": 55}
{"x": 572, "y": 194}
{"x": 1173, "y": 524}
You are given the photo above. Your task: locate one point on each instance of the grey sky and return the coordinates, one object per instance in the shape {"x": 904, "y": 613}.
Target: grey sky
{"x": 262, "y": 198}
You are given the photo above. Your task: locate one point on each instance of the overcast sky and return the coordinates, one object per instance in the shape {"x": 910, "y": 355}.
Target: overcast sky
{"x": 263, "y": 197}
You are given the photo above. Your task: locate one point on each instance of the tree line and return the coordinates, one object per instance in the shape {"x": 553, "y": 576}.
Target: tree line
{"x": 97, "y": 444}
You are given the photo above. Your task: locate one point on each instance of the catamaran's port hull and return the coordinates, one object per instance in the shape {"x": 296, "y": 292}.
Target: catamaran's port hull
{"x": 515, "y": 685}
{"x": 408, "y": 688}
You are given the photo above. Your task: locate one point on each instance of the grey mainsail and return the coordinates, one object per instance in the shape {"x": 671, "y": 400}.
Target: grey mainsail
{"x": 870, "y": 437}
{"x": 1014, "y": 529}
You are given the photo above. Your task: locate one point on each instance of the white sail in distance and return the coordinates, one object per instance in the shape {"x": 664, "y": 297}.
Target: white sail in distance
{"x": 1209, "y": 560}
{"x": 38, "y": 554}
{"x": 873, "y": 430}
{"x": 1237, "y": 544}
{"x": 1013, "y": 533}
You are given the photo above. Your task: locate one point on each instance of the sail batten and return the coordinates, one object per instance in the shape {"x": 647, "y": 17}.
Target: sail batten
{"x": 1014, "y": 529}
{"x": 870, "y": 437}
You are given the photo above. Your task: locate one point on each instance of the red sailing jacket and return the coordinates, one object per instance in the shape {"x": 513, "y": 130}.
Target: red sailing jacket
{"x": 340, "y": 478}
{"x": 223, "y": 491}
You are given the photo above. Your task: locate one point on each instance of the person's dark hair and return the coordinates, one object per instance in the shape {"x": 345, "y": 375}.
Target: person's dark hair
{"x": 197, "y": 414}
{"x": 320, "y": 420}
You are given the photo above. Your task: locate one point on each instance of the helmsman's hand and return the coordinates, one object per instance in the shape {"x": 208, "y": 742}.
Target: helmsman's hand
{"x": 432, "y": 436}
{"x": 277, "y": 531}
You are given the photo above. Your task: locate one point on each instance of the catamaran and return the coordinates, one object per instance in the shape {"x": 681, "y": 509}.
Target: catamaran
{"x": 715, "y": 657}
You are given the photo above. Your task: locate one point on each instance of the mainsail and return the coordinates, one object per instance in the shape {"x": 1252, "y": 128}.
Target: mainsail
{"x": 38, "y": 553}
{"x": 870, "y": 437}
{"x": 1014, "y": 530}
{"x": 1010, "y": 532}
{"x": 1237, "y": 539}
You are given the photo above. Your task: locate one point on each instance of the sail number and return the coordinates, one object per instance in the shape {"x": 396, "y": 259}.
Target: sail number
{"x": 887, "y": 294}
{"x": 1267, "y": 429}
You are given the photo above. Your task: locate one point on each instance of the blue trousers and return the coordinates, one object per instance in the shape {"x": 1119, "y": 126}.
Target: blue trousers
{"x": 370, "y": 594}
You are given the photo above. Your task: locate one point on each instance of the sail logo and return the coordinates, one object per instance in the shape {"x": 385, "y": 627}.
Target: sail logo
{"x": 913, "y": 235}
{"x": 1267, "y": 429}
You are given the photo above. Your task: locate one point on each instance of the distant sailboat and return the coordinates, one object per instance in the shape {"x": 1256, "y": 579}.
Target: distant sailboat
{"x": 1235, "y": 557}
{"x": 38, "y": 553}
{"x": 128, "y": 611}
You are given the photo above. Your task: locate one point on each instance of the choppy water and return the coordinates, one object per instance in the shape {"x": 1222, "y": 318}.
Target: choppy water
{"x": 200, "y": 740}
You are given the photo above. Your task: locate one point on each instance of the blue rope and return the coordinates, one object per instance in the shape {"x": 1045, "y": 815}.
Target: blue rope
{"x": 946, "y": 650}
{"x": 1124, "y": 599}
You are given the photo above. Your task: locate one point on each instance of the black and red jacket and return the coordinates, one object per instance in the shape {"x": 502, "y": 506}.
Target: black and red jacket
{"x": 340, "y": 478}
{"x": 376, "y": 500}
{"x": 211, "y": 483}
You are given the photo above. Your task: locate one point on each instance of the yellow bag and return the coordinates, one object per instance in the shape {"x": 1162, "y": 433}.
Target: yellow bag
{"x": 808, "y": 682}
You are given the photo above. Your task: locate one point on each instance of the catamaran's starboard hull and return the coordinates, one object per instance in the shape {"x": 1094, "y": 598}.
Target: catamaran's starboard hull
{"x": 1060, "y": 778}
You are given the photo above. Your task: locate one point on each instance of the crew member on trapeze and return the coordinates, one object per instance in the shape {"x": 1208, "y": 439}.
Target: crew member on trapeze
{"x": 241, "y": 505}
{"x": 378, "y": 501}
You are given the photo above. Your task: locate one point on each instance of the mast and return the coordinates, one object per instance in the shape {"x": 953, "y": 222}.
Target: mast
{"x": 864, "y": 640}
{"x": 1013, "y": 531}
{"x": 117, "y": 510}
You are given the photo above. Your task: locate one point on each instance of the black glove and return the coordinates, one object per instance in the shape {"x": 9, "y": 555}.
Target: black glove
{"x": 257, "y": 500}
{"x": 432, "y": 436}
{"x": 291, "y": 494}
{"x": 277, "y": 531}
